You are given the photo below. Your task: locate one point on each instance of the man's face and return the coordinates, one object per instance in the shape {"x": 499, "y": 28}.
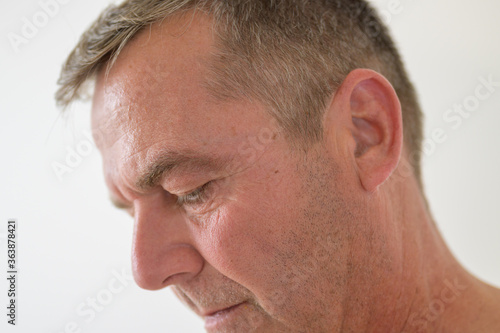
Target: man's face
{"x": 269, "y": 238}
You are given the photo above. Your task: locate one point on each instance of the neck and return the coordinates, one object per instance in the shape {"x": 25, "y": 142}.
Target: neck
{"x": 436, "y": 294}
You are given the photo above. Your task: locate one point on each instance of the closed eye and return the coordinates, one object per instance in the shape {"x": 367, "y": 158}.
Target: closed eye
{"x": 197, "y": 196}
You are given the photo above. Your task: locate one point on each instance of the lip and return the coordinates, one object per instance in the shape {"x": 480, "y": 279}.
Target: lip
{"x": 215, "y": 320}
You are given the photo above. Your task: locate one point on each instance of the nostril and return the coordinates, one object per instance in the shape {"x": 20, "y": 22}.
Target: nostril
{"x": 177, "y": 278}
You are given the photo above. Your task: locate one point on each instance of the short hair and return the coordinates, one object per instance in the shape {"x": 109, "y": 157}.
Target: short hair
{"x": 291, "y": 55}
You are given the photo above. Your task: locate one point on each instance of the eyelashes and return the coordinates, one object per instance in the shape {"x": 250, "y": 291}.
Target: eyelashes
{"x": 195, "y": 197}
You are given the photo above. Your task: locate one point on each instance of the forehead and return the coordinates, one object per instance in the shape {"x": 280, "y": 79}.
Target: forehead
{"x": 160, "y": 70}
{"x": 153, "y": 98}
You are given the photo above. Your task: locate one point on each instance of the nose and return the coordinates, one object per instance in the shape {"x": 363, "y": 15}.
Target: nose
{"x": 162, "y": 252}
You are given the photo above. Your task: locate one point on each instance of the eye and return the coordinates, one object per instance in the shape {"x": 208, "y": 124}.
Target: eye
{"x": 198, "y": 196}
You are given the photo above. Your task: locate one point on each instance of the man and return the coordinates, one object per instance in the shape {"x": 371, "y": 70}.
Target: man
{"x": 269, "y": 154}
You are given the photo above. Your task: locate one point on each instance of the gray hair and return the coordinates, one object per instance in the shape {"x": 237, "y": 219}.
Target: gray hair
{"x": 291, "y": 55}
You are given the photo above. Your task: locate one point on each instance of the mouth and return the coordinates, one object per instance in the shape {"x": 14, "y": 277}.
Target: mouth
{"x": 215, "y": 320}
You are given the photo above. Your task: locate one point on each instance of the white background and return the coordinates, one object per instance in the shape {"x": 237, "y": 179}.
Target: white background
{"x": 71, "y": 240}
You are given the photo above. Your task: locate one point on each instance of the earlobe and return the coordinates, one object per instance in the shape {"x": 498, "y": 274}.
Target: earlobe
{"x": 373, "y": 114}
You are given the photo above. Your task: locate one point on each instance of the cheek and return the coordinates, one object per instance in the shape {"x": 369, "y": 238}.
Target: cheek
{"x": 254, "y": 242}
{"x": 248, "y": 233}
{"x": 240, "y": 243}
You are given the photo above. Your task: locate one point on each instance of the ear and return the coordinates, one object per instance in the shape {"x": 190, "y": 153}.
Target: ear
{"x": 368, "y": 115}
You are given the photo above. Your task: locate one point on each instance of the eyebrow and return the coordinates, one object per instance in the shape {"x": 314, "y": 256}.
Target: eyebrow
{"x": 169, "y": 162}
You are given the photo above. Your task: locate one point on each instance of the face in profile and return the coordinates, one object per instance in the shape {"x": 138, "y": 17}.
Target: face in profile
{"x": 251, "y": 234}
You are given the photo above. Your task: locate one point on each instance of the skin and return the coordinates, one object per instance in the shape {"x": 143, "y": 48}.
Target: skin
{"x": 337, "y": 238}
